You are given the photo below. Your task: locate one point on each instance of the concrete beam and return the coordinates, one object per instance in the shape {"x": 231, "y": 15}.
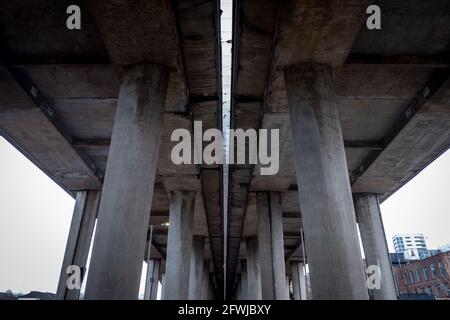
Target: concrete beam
{"x": 124, "y": 214}
{"x": 437, "y": 80}
{"x": 407, "y": 61}
{"x": 29, "y": 122}
{"x": 328, "y": 215}
{"x": 79, "y": 241}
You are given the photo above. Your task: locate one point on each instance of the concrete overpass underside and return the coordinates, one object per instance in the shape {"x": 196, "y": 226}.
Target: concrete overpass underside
{"x": 60, "y": 91}
{"x": 391, "y": 92}
{"x": 360, "y": 112}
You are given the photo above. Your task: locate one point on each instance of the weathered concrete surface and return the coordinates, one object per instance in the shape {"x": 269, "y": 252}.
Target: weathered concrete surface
{"x": 151, "y": 282}
{"x": 179, "y": 245}
{"x": 125, "y": 207}
{"x": 374, "y": 244}
{"x": 271, "y": 246}
{"x": 206, "y": 282}
{"x": 326, "y": 204}
{"x": 298, "y": 280}
{"x": 79, "y": 241}
{"x": 196, "y": 268}
{"x": 253, "y": 270}
{"x": 77, "y": 75}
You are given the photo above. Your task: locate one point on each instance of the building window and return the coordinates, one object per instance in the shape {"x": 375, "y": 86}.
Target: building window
{"x": 433, "y": 275}
{"x": 438, "y": 290}
{"x": 447, "y": 289}
{"x": 418, "y": 275}
{"x": 425, "y": 274}
{"x": 441, "y": 269}
{"x": 411, "y": 276}
{"x": 405, "y": 278}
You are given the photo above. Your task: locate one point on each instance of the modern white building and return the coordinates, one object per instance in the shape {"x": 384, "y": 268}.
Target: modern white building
{"x": 413, "y": 246}
{"x": 445, "y": 248}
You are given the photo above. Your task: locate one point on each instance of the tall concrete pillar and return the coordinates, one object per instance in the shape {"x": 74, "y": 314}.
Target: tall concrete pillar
{"x": 253, "y": 270}
{"x": 288, "y": 288}
{"x": 151, "y": 282}
{"x": 271, "y": 246}
{"x": 244, "y": 279}
{"x": 196, "y": 269}
{"x": 211, "y": 289}
{"x": 206, "y": 281}
{"x": 298, "y": 280}
{"x": 238, "y": 295}
{"x": 123, "y": 218}
{"x": 328, "y": 215}
{"x": 163, "y": 285}
{"x": 78, "y": 241}
{"x": 278, "y": 259}
{"x": 179, "y": 245}
{"x": 374, "y": 243}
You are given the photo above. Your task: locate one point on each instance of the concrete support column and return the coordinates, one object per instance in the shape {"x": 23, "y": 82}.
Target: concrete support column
{"x": 151, "y": 283}
{"x": 206, "y": 281}
{"x": 244, "y": 279}
{"x": 120, "y": 239}
{"x": 196, "y": 269}
{"x": 298, "y": 280}
{"x": 288, "y": 288}
{"x": 238, "y": 295}
{"x": 278, "y": 259}
{"x": 326, "y": 203}
{"x": 253, "y": 270}
{"x": 211, "y": 291}
{"x": 179, "y": 245}
{"x": 79, "y": 241}
{"x": 163, "y": 285}
{"x": 374, "y": 243}
{"x": 271, "y": 246}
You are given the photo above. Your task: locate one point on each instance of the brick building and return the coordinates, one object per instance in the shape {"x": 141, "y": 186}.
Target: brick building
{"x": 430, "y": 276}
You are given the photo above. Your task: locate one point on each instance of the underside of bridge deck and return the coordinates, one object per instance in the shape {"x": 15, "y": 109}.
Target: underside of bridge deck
{"x": 360, "y": 112}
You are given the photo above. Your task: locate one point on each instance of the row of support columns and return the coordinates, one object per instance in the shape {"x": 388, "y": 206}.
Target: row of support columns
{"x": 252, "y": 279}
{"x": 326, "y": 204}
{"x": 186, "y": 269}
{"x": 125, "y": 204}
